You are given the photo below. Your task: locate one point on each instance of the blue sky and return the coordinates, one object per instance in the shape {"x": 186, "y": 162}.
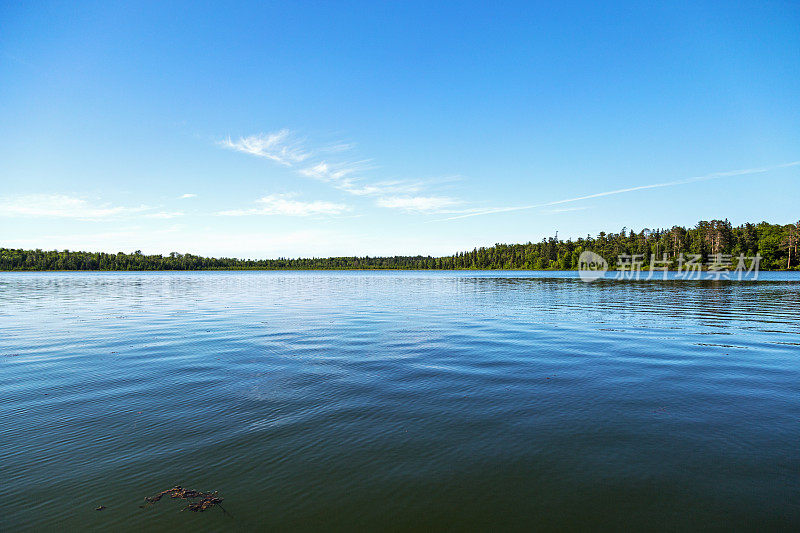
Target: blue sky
{"x": 339, "y": 128}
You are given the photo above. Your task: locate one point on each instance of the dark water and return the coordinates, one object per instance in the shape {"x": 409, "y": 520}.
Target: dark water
{"x": 399, "y": 401}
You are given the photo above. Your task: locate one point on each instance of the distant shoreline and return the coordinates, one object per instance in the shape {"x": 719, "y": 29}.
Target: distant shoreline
{"x": 717, "y": 243}
{"x": 643, "y": 271}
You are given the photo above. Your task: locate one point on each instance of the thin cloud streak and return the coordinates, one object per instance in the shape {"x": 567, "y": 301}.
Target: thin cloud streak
{"x": 715, "y": 175}
{"x": 341, "y": 176}
{"x": 566, "y": 209}
{"x": 278, "y": 146}
{"x": 62, "y": 206}
{"x": 282, "y": 204}
{"x": 385, "y": 187}
{"x": 418, "y": 204}
{"x": 165, "y": 215}
{"x": 346, "y": 176}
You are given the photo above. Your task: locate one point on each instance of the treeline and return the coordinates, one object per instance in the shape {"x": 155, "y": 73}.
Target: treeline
{"x": 776, "y": 244}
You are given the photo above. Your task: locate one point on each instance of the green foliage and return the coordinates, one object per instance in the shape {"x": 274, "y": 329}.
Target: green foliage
{"x": 778, "y": 244}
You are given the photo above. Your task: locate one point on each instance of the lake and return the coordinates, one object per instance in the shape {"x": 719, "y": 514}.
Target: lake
{"x": 399, "y": 400}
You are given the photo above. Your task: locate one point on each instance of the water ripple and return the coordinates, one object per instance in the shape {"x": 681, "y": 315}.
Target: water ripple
{"x": 399, "y": 400}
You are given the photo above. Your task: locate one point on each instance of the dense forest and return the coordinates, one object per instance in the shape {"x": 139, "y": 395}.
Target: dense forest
{"x": 776, "y": 244}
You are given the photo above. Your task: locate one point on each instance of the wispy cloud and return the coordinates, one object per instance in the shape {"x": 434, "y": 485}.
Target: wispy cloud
{"x": 62, "y": 206}
{"x": 385, "y": 187}
{"x": 347, "y": 177}
{"x": 712, "y": 176}
{"x": 566, "y": 209}
{"x": 339, "y": 174}
{"x": 283, "y": 204}
{"x": 187, "y": 195}
{"x": 328, "y": 165}
{"x": 279, "y": 146}
{"x": 338, "y": 147}
{"x": 164, "y": 215}
{"x": 418, "y": 204}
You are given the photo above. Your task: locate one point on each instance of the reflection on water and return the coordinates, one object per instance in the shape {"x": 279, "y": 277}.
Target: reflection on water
{"x": 399, "y": 400}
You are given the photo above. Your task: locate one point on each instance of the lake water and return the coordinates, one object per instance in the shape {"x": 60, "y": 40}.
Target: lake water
{"x": 399, "y": 400}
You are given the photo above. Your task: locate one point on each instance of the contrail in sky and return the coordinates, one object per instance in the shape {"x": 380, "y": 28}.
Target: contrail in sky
{"x": 712, "y": 176}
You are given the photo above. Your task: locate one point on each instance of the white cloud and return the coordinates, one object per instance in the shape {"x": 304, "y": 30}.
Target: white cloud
{"x": 164, "y": 215}
{"x": 565, "y": 210}
{"x": 61, "y": 206}
{"x": 382, "y": 188}
{"x": 333, "y": 173}
{"x": 282, "y": 204}
{"x": 187, "y": 195}
{"x": 278, "y": 146}
{"x": 344, "y": 175}
{"x": 336, "y": 148}
{"x": 340, "y": 175}
{"x": 418, "y": 204}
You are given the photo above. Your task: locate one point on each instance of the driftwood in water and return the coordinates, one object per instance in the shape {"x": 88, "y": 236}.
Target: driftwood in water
{"x": 201, "y": 501}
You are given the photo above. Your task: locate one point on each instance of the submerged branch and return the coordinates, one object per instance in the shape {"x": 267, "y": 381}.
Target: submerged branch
{"x": 200, "y": 501}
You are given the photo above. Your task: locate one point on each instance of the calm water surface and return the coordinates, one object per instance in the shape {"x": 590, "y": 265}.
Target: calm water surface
{"x": 399, "y": 400}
